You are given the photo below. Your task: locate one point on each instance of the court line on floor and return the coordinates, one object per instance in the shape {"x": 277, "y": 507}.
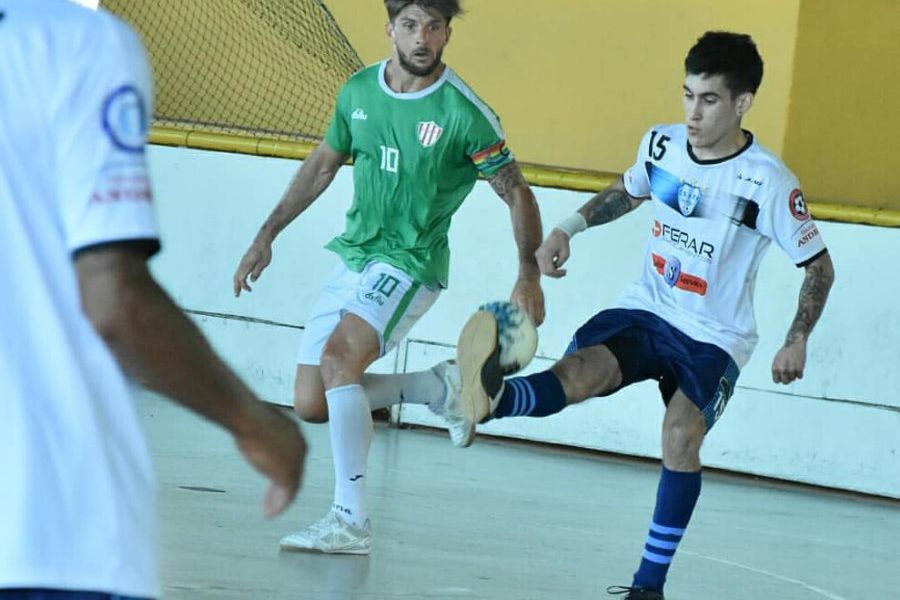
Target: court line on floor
{"x": 803, "y": 584}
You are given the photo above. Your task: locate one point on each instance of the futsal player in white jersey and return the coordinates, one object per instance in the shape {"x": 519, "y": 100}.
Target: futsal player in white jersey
{"x": 81, "y": 315}
{"x": 719, "y": 199}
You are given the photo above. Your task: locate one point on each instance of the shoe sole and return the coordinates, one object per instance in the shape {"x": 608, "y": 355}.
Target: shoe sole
{"x": 477, "y": 343}
{"x": 305, "y": 550}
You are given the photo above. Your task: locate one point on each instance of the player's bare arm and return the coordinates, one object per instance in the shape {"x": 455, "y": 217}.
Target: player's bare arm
{"x": 159, "y": 346}
{"x": 314, "y": 176}
{"x": 510, "y": 185}
{"x": 605, "y": 207}
{"x": 791, "y": 359}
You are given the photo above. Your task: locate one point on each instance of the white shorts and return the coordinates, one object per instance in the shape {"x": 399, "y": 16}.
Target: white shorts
{"x": 383, "y": 296}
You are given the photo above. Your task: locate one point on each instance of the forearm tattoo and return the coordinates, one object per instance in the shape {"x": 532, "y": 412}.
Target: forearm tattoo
{"x": 813, "y": 294}
{"x": 507, "y": 178}
{"x": 608, "y": 205}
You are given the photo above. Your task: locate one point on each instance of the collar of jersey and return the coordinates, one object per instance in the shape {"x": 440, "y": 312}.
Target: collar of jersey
{"x": 410, "y": 95}
{"x": 715, "y": 161}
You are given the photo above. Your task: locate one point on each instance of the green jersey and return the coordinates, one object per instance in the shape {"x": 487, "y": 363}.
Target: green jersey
{"x": 416, "y": 157}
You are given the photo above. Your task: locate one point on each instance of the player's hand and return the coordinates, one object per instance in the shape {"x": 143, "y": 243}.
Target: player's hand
{"x": 789, "y": 362}
{"x": 529, "y": 296}
{"x": 553, "y": 254}
{"x": 255, "y": 260}
{"x": 273, "y": 445}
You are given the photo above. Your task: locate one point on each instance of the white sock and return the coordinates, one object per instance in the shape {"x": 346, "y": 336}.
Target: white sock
{"x": 421, "y": 387}
{"x": 350, "y": 429}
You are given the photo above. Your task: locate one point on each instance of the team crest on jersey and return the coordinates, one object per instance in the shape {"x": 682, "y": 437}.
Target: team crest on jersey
{"x": 688, "y": 198}
{"x": 429, "y": 133}
{"x": 798, "y": 206}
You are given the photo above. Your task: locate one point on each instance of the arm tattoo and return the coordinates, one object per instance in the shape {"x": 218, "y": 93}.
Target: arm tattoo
{"x": 608, "y": 205}
{"x": 507, "y": 178}
{"x": 813, "y": 294}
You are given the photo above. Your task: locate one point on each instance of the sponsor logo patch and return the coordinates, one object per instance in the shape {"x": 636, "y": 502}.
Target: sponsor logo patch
{"x": 723, "y": 394}
{"x": 122, "y": 182}
{"x": 807, "y": 234}
{"x": 670, "y": 269}
{"x": 359, "y": 115}
{"x": 748, "y": 178}
{"x": 684, "y": 241}
{"x": 798, "y": 207}
{"x": 373, "y": 297}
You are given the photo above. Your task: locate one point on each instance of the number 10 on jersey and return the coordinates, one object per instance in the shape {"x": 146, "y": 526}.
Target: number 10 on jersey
{"x": 390, "y": 158}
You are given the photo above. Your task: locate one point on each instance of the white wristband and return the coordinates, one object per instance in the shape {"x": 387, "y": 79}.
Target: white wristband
{"x": 575, "y": 223}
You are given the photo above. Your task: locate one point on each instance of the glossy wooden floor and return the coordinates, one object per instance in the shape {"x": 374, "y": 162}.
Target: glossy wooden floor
{"x": 503, "y": 521}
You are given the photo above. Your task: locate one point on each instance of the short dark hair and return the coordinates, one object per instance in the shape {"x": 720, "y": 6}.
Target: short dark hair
{"x": 448, "y": 8}
{"x": 732, "y": 55}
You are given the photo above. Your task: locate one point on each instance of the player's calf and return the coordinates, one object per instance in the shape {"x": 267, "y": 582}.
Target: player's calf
{"x": 311, "y": 410}
{"x": 684, "y": 430}
{"x": 309, "y": 395}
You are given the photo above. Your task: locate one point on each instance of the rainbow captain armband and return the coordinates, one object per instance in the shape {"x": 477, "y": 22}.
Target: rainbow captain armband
{"x": 487, "y": 160}
{"x": 575, "y": 223}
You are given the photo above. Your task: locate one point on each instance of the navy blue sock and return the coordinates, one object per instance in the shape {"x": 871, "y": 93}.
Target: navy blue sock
{"x": 537, "y": 395}
{"x": 675, "y": 500}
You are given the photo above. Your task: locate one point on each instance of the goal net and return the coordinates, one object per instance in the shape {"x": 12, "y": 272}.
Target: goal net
{"x": 258, "y": 68}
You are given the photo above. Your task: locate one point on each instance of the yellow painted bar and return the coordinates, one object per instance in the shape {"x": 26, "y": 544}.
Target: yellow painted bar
{"x": 172, "y": 136}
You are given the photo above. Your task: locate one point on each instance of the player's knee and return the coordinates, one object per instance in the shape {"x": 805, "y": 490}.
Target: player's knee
{"x": 311, "y": 408}
{"x": 334, "y": 367}
{"x": 583, "y": 375}
{"x": 682, "y": 439}
{"x": 340, "y": 366}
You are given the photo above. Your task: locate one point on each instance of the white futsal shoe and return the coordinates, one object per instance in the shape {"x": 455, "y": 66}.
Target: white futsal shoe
{"x": 461, "y": 429}
{"x": 331, "y": 535}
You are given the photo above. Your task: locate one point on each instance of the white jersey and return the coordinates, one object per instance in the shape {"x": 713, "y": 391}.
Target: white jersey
{"x": 713, "y": 221}
{"x": 78, "y": 505}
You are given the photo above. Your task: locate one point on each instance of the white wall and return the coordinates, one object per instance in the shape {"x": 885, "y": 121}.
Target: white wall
{"x": 839, "y": 426}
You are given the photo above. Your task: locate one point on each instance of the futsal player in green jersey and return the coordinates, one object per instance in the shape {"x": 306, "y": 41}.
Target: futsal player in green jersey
{"x": 419, "y": 137}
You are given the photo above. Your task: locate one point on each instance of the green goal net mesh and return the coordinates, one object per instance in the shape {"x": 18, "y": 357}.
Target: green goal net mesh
{"x": 258, "y": 68}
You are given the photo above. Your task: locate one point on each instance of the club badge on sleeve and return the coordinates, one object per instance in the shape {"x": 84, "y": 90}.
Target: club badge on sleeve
{"x": 125, "y": 119}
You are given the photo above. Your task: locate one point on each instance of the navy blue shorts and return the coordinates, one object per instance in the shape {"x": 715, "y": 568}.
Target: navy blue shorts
{"x": 34, "y": 594}
{"x": 647, "y": 347}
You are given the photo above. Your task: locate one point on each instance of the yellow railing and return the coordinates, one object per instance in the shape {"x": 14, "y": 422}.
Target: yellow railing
{"x": 239, "y": 144}
{"x": 537, "y": 175}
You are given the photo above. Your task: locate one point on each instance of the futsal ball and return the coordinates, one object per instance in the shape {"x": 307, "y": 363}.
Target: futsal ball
{"x": 516, "y": 334}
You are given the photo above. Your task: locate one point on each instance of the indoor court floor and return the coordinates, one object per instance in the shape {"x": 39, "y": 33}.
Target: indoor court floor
{"x": 502, "y": 520}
